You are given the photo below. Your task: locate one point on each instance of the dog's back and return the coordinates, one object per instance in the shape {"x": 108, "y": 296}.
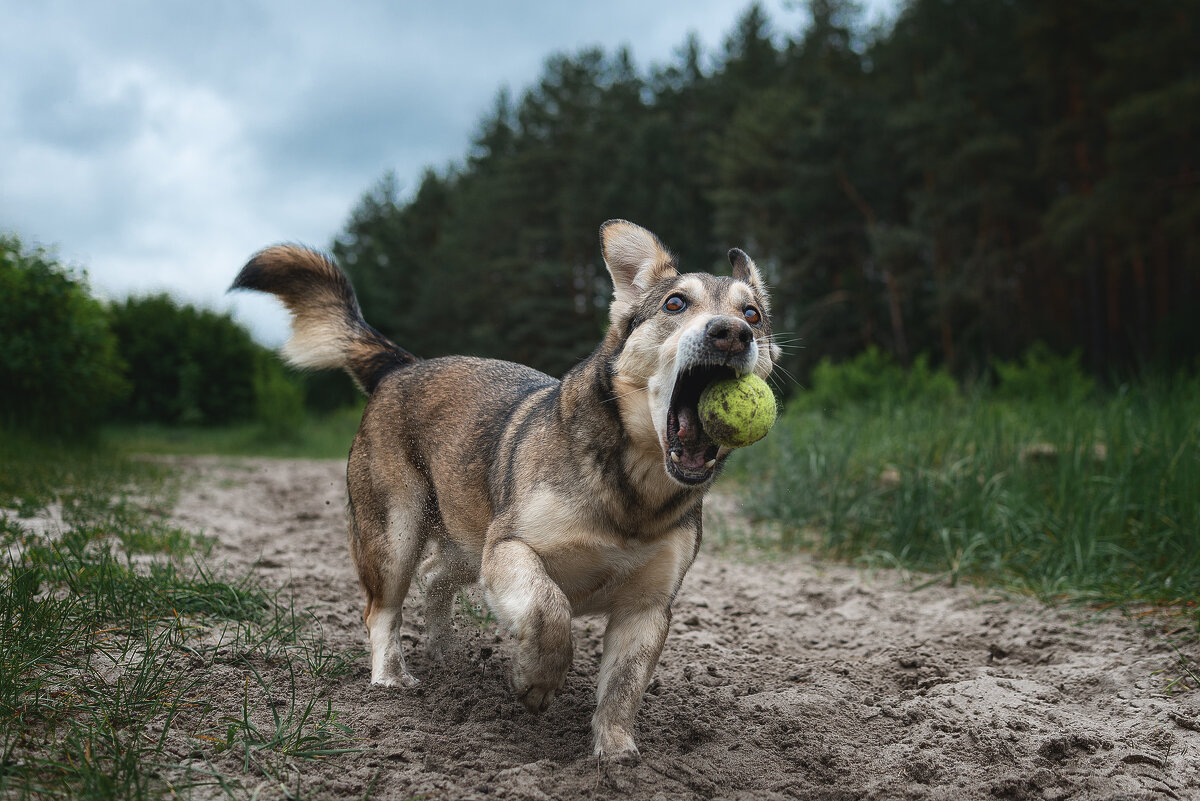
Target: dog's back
{"x": 448, "y": 419}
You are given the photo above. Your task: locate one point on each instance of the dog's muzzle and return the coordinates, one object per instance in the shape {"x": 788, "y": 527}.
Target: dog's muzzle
{"x": 723, "y": 348}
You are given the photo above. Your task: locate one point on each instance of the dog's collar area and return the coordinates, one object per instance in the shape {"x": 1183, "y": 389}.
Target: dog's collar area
{"x": 691, "y": 455}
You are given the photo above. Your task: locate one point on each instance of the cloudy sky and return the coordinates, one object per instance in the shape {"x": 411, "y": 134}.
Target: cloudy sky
{"x": 159, "y": 143}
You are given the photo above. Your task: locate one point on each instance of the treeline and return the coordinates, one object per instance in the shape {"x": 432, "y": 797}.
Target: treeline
{"x": 69, "y": 362}
{"x": 979, "y": 177}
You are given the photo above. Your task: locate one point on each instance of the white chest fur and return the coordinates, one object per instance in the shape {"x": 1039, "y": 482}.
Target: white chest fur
{"x": 592, "y": 563}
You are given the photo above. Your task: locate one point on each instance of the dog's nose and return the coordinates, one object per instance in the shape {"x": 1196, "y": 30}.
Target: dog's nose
{"x": 728, "y": 334}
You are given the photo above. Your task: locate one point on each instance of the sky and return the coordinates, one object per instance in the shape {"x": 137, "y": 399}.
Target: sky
{"x": 158, "y": 144}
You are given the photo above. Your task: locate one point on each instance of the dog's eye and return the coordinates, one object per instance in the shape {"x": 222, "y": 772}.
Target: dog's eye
{"x": 752, "y": 316}
{"x": 674, "y": 304}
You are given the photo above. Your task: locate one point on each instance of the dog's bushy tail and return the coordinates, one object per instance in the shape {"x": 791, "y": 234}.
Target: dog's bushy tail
{"x": 328, "y": 329}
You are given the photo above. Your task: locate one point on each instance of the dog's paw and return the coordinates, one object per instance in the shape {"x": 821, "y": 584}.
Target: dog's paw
{"x": 615, "y": 745}
{"x": 537, "y": 674}
{"x": 536, "y": 698}
{"x": 537, "y": 688}
{"x": 629, "y": 757}
{"x": 405, "y": 679}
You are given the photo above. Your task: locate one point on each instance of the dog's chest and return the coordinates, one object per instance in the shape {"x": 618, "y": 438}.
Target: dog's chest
{"x": 587, "y": 558}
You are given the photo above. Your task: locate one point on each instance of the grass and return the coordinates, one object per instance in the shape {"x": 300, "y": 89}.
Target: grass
{"x": 1093, "y": 500}
{"x": 91, "y": 485}
{"x": 111, "y": 622}
{"x": 1182, "y": 677}
{"x": 325, "y": 436}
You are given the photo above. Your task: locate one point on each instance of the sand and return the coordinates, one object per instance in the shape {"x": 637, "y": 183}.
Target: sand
{"x": 782, "y": 677}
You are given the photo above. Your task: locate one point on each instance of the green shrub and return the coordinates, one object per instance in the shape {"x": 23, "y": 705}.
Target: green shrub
{"x": 873, "y": 377}
{"x": 186, "y": 365}
{"x": 328, "y": 391}
{"x": 279, "y": 400}
{"x": 1041, "y": 373}
{"x": 59, "y": 364}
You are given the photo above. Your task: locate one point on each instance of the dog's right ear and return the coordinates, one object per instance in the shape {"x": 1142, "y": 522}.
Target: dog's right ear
{"x": 636, "y": 260}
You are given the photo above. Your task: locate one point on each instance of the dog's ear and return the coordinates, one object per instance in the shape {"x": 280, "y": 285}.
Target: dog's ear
{"x": 636, "y": 260}
{"x": 744, "y": 269}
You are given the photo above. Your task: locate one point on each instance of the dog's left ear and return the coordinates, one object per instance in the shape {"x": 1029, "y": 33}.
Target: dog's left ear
{"x": 744, "y": 269}
{"x": 636, "y": 260}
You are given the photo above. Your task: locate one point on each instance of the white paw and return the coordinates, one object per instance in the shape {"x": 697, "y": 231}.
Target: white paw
{"x": 615, "y": 744}
{"x": 404, "y": 680}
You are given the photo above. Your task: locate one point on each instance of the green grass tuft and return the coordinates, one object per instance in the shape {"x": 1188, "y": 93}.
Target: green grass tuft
{"x": 1093, "y": 500}
{"x": 326, "y": 436}
{"x": 109, "y": 623}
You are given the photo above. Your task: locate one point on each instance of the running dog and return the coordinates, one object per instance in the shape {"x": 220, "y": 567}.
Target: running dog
{"x": 561, "y": 498}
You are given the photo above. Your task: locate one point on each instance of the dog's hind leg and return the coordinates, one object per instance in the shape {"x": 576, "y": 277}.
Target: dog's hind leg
{"x": 536, "y": 611}
{"x": 387, "y": 535}
{"x": 445, "y": 571}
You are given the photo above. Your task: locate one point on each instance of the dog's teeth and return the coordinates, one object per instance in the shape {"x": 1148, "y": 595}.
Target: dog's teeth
{"x": 674, "y": 457}
{"x": 710, "y": 463}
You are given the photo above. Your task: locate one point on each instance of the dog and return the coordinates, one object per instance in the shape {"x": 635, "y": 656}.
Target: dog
{"x": 561, "y": 498}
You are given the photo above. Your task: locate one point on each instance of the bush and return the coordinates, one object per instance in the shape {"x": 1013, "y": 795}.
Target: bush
{"x": 279, "y": 400}
{"x": 1041, "y": 373}
{"x": 186, "y": 365}
{"x": 873, "y": 377}
{"x": 59, "y": 363}
{"x": 328, "y": 391}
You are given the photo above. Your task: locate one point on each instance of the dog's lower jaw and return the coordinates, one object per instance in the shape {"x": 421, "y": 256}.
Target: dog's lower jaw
{"x": 679, "y": 476}
{"x": 673, "y": 466}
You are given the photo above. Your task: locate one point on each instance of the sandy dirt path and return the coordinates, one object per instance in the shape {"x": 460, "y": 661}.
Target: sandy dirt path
{"x": 781, "y": 679}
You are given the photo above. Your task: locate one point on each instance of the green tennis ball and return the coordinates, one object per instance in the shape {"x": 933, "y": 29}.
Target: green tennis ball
{"x": 737, "y": 412}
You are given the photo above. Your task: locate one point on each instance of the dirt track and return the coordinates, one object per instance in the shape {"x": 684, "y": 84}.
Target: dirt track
{"x": 787, "y": 679}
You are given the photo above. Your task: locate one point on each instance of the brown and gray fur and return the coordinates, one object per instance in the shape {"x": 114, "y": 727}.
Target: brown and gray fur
{"x": 560, "y": 498}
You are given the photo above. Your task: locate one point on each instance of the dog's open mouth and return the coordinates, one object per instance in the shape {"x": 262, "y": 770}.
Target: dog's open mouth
{"x": 691, "y": 454}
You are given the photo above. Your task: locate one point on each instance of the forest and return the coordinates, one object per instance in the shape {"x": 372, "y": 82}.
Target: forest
{"x": 981, "y": 176}
{"x": 973, "y": 183}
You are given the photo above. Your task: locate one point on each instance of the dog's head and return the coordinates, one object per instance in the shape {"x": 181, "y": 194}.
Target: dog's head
{"x": 674, "y": 334}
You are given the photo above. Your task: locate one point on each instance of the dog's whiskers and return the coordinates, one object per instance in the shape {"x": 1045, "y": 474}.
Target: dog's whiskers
{"x": 787, "y": 373}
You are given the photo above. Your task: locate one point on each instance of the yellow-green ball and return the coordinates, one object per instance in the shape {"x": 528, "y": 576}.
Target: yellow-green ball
{"x": 737, "y": 412}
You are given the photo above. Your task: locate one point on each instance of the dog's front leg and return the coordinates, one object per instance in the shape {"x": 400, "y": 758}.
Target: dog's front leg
{"x": 633, "y": 642}
{"x": 537, "y": 613}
